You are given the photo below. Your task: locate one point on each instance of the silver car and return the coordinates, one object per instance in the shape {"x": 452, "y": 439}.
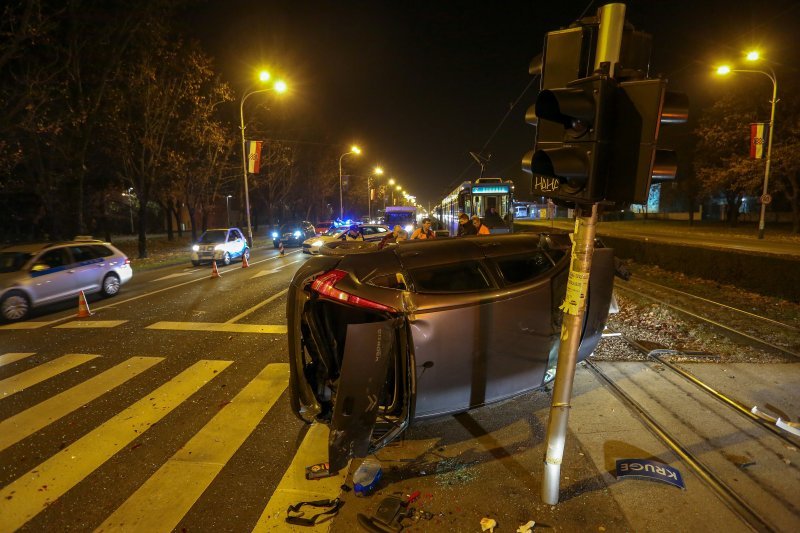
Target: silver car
{"x": 37, "y": 274}
{"x": 370, "y": 232}
{"x": 223, "y": 245}
{"x": 379, "y": 339}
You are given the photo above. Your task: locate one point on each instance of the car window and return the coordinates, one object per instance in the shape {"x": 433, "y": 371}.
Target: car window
{"x": 13, "y": 261}
{"x": 213, "y": 236}
{"x": 236, "y": 234}
{"x": 54, "y": 258}
{"x": 367, "y": 230}
{"x": 381, "y": 230}
{"x": 101, "y": 251}
{"x": 521, "y": 268}
{"x": 388, "y": 281}
{"x": 83, "y": 253}
{"x": 465, "y": 276}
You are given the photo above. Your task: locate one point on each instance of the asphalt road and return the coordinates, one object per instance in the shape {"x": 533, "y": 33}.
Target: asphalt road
{"x": 168, "y": 404}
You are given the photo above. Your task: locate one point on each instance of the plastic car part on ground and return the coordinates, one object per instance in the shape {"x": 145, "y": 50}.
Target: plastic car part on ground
{"x": 488, "y": 524}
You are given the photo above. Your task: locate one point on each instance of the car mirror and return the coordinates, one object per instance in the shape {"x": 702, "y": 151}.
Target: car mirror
{"x": 39, "y": 267}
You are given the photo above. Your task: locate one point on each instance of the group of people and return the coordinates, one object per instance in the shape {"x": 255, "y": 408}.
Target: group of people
{"x": 466, "y": 227}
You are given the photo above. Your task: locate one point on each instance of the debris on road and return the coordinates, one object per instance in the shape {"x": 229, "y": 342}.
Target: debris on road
{"x": 488, "y": 524}
{"x": 367, "y": 476}
{"x": 649, "y": 470}
{"x": 318, "y": 471}
{"x": 527, "y": 527}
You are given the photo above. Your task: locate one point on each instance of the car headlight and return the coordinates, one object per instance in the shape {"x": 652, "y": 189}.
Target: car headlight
{"x": 274, "y": 234}
{"x": 297, "y": 234}
{"x": 409, "y": 228}
{"x": 219, "y": 247}
{"x": 195, "y": 248}
{"x": 317, "y": 243}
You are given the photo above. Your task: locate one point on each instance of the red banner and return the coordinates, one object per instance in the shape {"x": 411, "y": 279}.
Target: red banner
{"x": 758, "y": 133}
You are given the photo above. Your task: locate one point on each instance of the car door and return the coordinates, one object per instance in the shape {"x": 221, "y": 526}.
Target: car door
{"x": 88, "y": 267}
{"x": 51, "y": 279}
{"x": 235, "y": 243}
{"x": 479, "y": 339}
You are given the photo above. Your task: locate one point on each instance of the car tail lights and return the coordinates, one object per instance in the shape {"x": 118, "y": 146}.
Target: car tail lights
{"x": 325, "y": 286}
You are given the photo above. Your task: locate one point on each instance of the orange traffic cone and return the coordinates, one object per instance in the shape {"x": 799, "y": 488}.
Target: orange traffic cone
{"x": 280, "y": 248}
{"x": 245, "y": 264}
{"x": 214, "y": 271}
{"x": 83, "y": 306}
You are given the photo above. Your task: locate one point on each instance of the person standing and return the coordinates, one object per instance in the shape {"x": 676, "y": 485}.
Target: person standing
{"x": 465, "y": 227}
{"x": 479, "y": 227}
{"x": 425, "y": 232}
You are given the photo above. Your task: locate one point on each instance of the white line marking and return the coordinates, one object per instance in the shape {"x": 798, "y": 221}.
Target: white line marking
{"x": 217, "y": 326}
{"x": 257, "y": 306}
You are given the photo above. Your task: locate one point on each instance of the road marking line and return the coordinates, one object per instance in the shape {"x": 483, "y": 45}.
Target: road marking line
{"x": 33, "y": 325}
{"x": 163, "y": 500}
{"x": 43, "y": 372}
{"x": 32, "y": 492}
{"x": 257, "y": 306}
{"x": 11, "y": 357}
{"x": 133, "y": 298}
{"x": 28, "y": 422}
{"x": 80, "y": 324}
{"x": 217, "y": 326}
{"x": 294, "y": 487}
{"x": 266, "y": 272}
{"x": 179, "y": 274}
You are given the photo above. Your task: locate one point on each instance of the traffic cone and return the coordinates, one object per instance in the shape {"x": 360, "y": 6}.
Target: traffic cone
{"x": 214, "y": 271}
{"x": 245, "y": 264}
{"x": 280, "y": 248}
{"x": 83, "y": 306}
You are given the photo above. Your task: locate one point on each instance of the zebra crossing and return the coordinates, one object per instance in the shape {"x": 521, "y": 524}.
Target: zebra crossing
{"x": 165, "y": 498}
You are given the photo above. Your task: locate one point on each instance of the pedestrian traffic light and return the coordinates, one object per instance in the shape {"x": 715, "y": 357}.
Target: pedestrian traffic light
{"x": 639, "y": 158}
{"x": 570, "y": 159}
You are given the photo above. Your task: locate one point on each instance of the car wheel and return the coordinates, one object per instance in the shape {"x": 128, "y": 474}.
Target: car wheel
{"x": 344, "y": 248}
{"x": 110, "y": 285}
{"x": 14, "y": 306}
{"x": 246, "y": 254}
{"x": 196, "y": 263}
{"x": 226, "y": 259}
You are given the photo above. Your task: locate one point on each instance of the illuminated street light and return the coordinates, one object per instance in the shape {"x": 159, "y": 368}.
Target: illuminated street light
{"x": 723, "y": 70}
{"x": 279, "y": 87}
{"x": 377, "y": 172}
{"x": 353, "y": 150}
{"x": 753, "y": 55}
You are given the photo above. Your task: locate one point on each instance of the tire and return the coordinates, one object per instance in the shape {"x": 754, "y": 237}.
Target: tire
{"x": 246, "y": 254}
{"x": 196, "y": 263}
{"x": 226, "y": 259}
{"x": 14, "y": 306}
{"x": 110, "y": 285}
{"x": 347, "y": 247}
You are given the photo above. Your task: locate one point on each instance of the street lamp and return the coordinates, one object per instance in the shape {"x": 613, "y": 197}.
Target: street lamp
{"x": 353, "y": 150}
{"x": 723, "y": 70}
{"x": 277, "y": 87}
{"x": 228, "y": 208}
{"x": 129, "y": 194}
{"x": 377, "y": 172}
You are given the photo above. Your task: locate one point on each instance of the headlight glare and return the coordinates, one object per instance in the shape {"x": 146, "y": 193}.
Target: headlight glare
{"x": 297, "y": 234}
{"x": 316, "y": 243}
{"x": 274, "y": 234}
{"x": 409, "y": 228}
{"x": 195, "y": 248}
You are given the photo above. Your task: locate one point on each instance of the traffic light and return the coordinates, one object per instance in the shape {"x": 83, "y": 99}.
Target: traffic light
{"x": 638, "y": 160}
{"x": 574, "y": 134}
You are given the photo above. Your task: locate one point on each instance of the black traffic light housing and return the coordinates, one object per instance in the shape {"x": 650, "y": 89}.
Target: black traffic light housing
{"x": 573, "y": 141}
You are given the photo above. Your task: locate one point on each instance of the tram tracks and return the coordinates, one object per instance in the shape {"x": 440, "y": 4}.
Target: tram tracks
{"x": 752, "y": 467}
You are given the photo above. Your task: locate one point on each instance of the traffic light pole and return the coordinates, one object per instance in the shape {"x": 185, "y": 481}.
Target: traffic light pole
{"x": 574, "y": 308}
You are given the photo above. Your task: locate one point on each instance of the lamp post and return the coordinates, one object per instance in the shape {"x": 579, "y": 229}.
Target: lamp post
{"x": 278, "y": 87}
{"x": 378, "y": 172}
{"x": 353, "y": 150}
{"x": 753, "y": 56}
{"x": 228, "y": 208}
{"x": 129, "y": 194}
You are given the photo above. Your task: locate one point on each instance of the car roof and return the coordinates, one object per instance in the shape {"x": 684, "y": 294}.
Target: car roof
{"x": 221, "y": 229}
{"x": 39, "y": 246}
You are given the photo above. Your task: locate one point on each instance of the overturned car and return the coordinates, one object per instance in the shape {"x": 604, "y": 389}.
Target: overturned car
{"x": 381, "y": 338}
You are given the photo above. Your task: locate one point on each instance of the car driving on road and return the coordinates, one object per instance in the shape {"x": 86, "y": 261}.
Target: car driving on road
{"x": 222, "y": 245}
{"x": 371, "y": 233}
{"x": 32, "y": 275}
{"x": 381, "y": 338}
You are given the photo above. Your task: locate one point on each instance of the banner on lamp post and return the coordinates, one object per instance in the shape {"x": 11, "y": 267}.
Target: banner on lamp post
{"x": 254, "y": 157}
{"x": 758, "y": 138}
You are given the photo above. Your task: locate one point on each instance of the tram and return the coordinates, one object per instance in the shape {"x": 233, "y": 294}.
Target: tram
{"x": 478, "y": 198}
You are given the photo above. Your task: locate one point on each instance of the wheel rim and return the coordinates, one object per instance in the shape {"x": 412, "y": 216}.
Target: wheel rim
{"x": 15, "y": 307}
{"x": 226, "y": 258}
{"x": 111, "y": 285}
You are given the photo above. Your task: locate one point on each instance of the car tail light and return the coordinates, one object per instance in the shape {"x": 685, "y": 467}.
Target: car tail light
{"x": 127, "y": 261}
{"x": 325, "y": 286}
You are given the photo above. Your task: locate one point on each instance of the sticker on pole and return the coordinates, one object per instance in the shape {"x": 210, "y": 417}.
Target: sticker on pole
{"x": 766, "y": 199}
{"x": 644, "y": 469}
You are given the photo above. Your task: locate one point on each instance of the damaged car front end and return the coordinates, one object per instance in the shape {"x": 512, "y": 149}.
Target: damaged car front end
{"x": 379, "y": 339}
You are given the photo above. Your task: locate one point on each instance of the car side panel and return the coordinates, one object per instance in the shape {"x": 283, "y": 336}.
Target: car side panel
{"x": 481, "y": 353}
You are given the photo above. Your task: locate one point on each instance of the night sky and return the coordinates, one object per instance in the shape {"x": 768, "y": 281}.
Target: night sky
{"x": 418, "y": 85}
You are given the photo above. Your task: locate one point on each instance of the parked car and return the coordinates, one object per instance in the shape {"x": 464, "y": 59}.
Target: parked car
{"x": 379, "y": 339}
{"x": 293, "y": 233}
{"x": 371, "y": 233}
{"x": 222, "y": 245}
{"x": 322, "y": 227}
{"x": 37, "y": 274}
